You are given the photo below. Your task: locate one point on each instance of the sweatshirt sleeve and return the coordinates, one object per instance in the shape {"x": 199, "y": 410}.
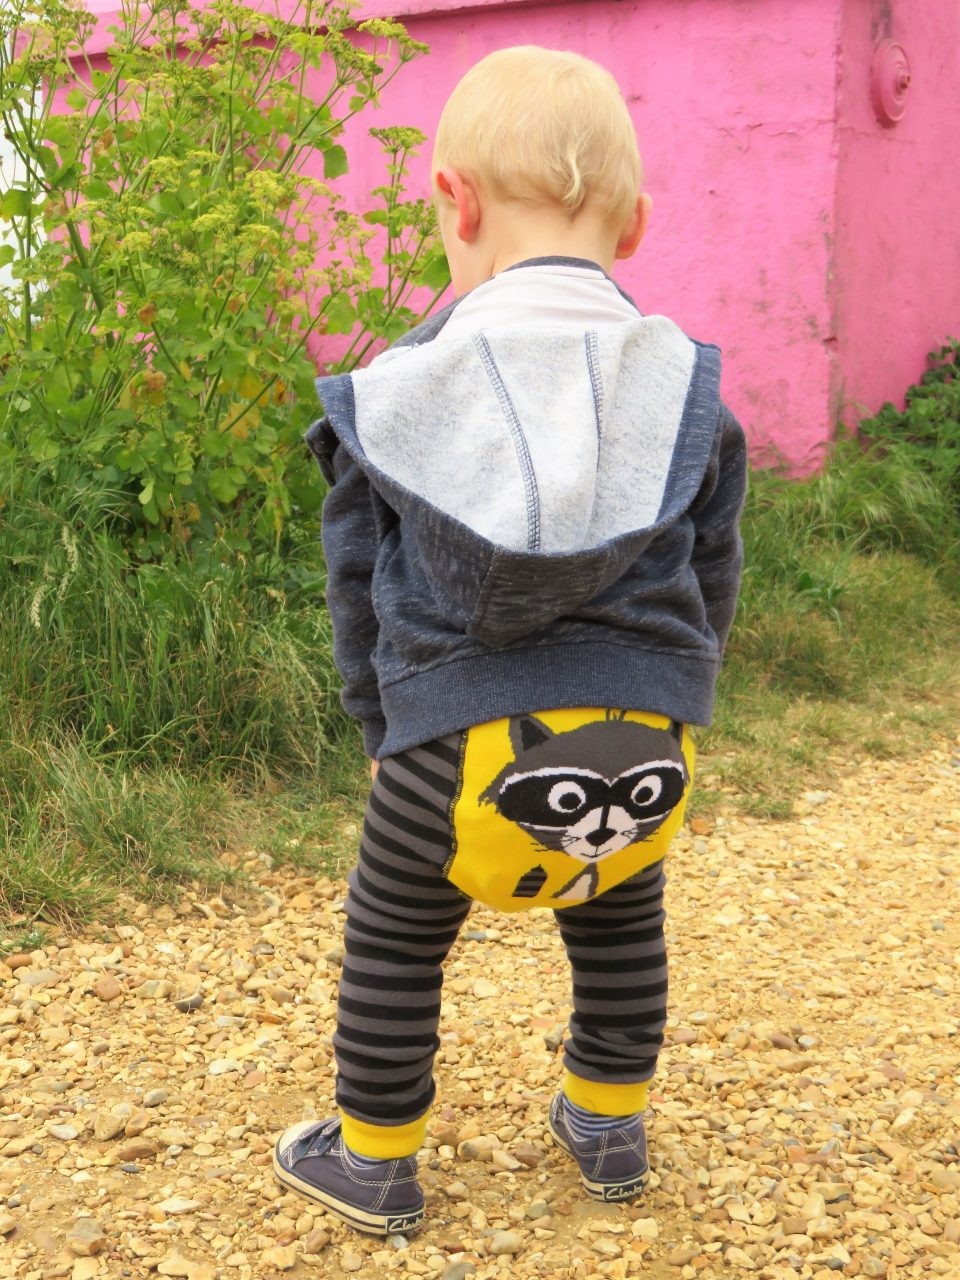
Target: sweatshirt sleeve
{"x": 350, "y": 544}
{"x": 717, "y": 557}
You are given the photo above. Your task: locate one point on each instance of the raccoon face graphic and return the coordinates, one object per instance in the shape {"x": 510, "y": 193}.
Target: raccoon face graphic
{"x": 592, "y": 791}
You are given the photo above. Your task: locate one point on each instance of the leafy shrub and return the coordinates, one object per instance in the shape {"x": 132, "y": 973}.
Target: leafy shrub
{"x": 157, "y": 336}
{"x": 163, "y": 643}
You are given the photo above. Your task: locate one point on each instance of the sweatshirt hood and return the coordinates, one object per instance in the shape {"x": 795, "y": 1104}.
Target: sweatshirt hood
{"x": 532, "y": 462}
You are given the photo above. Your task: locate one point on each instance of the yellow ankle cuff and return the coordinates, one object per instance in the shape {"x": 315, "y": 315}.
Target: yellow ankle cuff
{"x": 383, "y": 1142}
{"x": 606, "y": 1099}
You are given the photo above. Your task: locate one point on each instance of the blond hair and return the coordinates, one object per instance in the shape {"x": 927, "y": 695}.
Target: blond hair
{"x": 543, "y": 126}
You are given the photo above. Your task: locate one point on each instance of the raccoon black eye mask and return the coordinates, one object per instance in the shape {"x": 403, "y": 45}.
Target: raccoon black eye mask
{"x": 588, "y": 815}
{"x": 594, "y": 790}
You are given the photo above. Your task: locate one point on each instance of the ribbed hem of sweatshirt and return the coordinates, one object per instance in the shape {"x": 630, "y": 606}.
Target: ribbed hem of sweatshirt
{"x": 455, "y": 696}
{"x": 374, "y": 732}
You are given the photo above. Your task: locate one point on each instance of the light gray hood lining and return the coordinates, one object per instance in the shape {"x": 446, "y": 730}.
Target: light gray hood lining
{"x": 542, "y": 438}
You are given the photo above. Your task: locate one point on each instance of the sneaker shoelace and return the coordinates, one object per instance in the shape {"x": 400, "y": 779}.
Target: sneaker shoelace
{"x": 318, "y": 1140}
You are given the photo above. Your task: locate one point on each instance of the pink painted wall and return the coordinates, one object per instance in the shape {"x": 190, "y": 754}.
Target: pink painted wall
{"x": 817, "y": 248}
{"x": 897, "y": 242}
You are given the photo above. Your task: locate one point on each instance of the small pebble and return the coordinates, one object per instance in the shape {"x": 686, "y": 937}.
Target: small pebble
{"x": 63, "y": 1132}
{"x": 504, "y": 1242}
{"x": 107, "y": 1125}
{"x": 87, "y": 1237}
{"x": 283, "y": 1257}
{"x": 458, "y": 1271}
{"x": 224, "y": 1066}
{"x": 178, "y": 1204}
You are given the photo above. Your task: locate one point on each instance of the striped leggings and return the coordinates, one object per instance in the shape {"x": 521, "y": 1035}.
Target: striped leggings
{"x": 403, "y": 916}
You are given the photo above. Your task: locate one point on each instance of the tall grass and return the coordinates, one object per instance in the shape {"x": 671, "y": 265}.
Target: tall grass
{"x": 153, "y": 716}
{"x": 137, "y": 703}
{"x": 193, "y": 663}
{"x": 847, "y": 635}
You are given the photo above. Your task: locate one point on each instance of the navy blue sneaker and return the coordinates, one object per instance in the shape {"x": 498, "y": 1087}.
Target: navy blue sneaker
{"x": 613, "y": 1166}
{"x": 311, "y": 1158}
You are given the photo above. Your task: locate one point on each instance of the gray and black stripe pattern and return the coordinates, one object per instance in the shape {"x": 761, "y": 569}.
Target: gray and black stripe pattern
{"x": 402, "y": 918}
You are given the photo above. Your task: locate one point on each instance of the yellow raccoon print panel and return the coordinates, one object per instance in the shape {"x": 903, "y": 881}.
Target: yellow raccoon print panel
{"x": 553, "y": 808}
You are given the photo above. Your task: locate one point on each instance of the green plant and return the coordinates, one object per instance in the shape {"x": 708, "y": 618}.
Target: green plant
{"x": 157, "y": 336}
{"x": 867, "y": 498}
{"x": 189, "y": 663}
{"x": 165, "y": 658}
{"x": 927, "y": 432}
{"x": 825, "y": 592}
{"x": 26, "y": 940}
{"x": 849, "y": 614}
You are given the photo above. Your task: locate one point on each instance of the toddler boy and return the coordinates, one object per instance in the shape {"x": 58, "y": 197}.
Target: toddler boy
{"x": 533, "y": 554}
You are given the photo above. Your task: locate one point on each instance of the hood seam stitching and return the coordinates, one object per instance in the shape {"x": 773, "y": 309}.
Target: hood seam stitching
{"x": 592, "y": 344}
{"x": 527, "y": 473}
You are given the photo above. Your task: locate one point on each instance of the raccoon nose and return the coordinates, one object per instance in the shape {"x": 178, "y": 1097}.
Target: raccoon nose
{"x": 600, "y": 836}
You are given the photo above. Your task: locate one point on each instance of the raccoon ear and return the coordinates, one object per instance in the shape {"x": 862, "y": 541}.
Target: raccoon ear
{"x": 527, "y": 732}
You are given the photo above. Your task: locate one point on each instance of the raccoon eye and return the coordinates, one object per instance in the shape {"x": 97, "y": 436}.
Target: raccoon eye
{"x": 566, "y": 797}
{"x": 646, "y": 791}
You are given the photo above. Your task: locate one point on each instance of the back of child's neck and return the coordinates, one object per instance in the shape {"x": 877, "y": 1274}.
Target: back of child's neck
{"x": 520, "y": 237}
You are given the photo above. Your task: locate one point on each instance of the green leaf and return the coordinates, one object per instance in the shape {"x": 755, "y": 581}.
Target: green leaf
{"x": 339, "y": 314}
{"x": 146, "y": 493}
{"x": 42, "y": 448}
{"x": 223, "y": 484}
{"x": 7, "y": 254}
{"x": 48, "y": 160}
{"x": 278, "y": 119}
{"x": 334, "y": 162}
{"x": 58, "y": 129}
{"x": 435, "y": 272}
{"x": 77, "y": 99}
{"x": 164, "y": 203}
{"x": 97, "y": 189}
{"x": 15, "y": 203}
{"x": 65, "y": 176}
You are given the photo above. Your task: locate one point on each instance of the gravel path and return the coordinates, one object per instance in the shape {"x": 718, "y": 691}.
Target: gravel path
{"x": 805, "y": 1121}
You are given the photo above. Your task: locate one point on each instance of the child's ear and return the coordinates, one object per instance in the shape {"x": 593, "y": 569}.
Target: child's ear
{"x": 460, "y": 190}
{"x": 635, "y": 229}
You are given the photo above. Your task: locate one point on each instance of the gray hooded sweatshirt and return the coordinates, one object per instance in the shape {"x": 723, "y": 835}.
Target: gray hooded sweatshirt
{"x": 527, "y": 515}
